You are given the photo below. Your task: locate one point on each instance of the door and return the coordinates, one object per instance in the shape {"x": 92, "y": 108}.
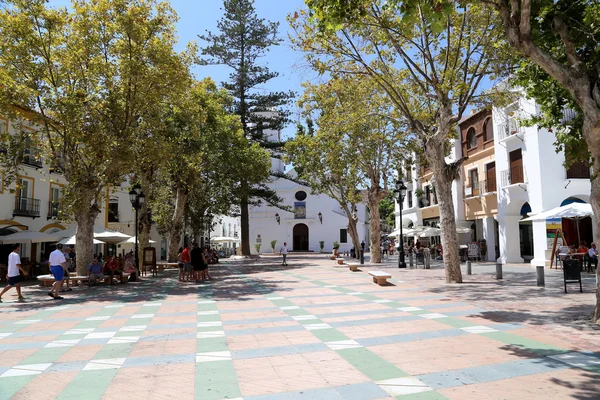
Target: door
{"x": 490, "y": 177}
{"x": 24, "y": 193}
{"x": 55, "y": 201}
{"x": 516, "y": 167}
{"x": 300, "y": 237}
{"x": 474, "y": 181}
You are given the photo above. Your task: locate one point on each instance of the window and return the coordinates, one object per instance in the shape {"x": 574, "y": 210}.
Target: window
{"x": 113, "y": 210}
{"x": 410, "y": 199}
{"x": 343, "y": 235}
{"x": 488, "y": 130}
{"x": 300, "y": 195}
{"x": 471, "y": 139}
{"x": 474, "y": 182}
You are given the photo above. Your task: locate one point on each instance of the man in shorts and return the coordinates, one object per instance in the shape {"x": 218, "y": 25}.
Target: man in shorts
{"x": 14, "y": 276}
{"x": 69, "y": 266}
{"x": 58, "y": 265}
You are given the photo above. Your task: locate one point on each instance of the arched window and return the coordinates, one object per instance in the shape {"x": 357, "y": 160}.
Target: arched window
{"x": 488, "y": 130}
{"x": 471, "y": 138}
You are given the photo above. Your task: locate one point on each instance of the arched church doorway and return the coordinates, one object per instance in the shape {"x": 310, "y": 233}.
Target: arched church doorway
{"x": 300, "y": 234}
{"x": 526, "y": 233}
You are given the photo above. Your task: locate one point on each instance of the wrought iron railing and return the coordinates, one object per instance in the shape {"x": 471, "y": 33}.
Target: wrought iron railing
{"x": 54, "y": 208}
{"x": 488, "y": 185}
{"x": 513, "y": 176}
{"x": 508, "y": 128}
{"x": 26, "y": 207}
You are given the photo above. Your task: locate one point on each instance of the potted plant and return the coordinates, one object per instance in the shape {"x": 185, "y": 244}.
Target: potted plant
{"x": 336, "y": 246}
{"x": 273, "y": 243}
{"x": 257, "y": 247}
{"x": 322, "y": 245}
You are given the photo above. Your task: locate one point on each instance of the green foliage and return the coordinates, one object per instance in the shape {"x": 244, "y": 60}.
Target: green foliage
{"x": 257, "y": 247}
{"x": 273, "y": 243}
{"x": 387, "y": 209}
{"x": 321, "y": 244}
{"x": 336, "y": 245}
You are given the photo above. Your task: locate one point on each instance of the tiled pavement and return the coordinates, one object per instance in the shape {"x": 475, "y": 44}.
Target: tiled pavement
{"x": 309, "y": 331}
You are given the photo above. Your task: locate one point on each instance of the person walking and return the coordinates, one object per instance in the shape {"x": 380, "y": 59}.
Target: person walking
{"x": 69, "y": 265}
{"x": 58, "y": 265}
{"x": 197, "y": 260}
{"x": 284, "y": 251}
{"x": 14, "y": 275}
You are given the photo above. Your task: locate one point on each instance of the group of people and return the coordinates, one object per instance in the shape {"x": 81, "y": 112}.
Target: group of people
{"x": 113, "y": 267}
{"x": 591, "y": 253}
{"x": 193, "y": 264}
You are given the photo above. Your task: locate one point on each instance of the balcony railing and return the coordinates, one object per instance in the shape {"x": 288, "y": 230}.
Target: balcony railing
{"x": 513, "y": 176}
{"x": 54, "y": 208}
{"x": 579, "y": 170}
{"x": 32, "y": 157}
{"x": 488, "y": 186}
{"x": 472, "y": 189}
{"x": 508, "y": 128}
{"x": 25, "y": 207}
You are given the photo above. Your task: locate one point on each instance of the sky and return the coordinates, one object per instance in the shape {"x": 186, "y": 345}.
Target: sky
{"x": 198, "y": 16}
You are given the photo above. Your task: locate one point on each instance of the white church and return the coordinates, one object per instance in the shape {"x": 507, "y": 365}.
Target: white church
{"x": 314, "y": 219}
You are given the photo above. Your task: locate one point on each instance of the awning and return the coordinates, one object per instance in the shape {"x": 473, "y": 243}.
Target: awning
{"x": 30, "y": 237}
{"x": 72, "y": 240}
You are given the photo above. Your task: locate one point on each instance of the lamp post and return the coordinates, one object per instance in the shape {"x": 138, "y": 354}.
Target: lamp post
{"x": 137, "y": 198}
{"x": 400, "y": 192}
{"x": 278, "y": 218}
{"x": 320, "y": 217}
{"x": 210, "y": 218}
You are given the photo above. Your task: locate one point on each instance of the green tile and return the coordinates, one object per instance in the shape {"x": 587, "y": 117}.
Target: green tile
{"x": 329, "y": 335}
{"x": 525, "y": 343}
{"x": 209, "y": 328}
{"x": 11, "y": 385}
{"x": 207, "y": 318}
{"x": 455, "y": 322}
{"x": 432, "y": 395}
{"x": 88, "y": 324}
{"x": 89, "y": 385}
{"x": 216, "y": 380}
{"x": 114, "y": 351}
{"x": 48, "y": 355}
{"x": 299, "y": 311}
{"x": 370, "y": 364}
{"x": 282, "y": 303}
{"x": 211, "y": 344}
{"x": 207, "y": 307}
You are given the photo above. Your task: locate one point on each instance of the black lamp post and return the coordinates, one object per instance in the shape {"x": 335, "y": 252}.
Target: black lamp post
{"x": 210, "y": 218}
{"x": 137, "y": 198}
{"x": 400, "y": 192}
{"x": 320, "y": 217}
{"x": 278, "y": 218}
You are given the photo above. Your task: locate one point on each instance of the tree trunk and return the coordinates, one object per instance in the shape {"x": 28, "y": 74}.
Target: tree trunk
{"x": 85, "y": 219}
{"x": 353, "y": 231}
{"x": 144, "y": 220}
{"x": 443, "y": 188}
{"x": 245, "y": 220}
{"x": 373, "y": 202}
{"x": 175, "y": 232}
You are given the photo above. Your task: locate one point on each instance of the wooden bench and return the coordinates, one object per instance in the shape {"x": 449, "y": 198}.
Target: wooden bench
{"x": 48, "y": 280}
{"x": 353, "y": 266}
{"x": 380, "y": 277}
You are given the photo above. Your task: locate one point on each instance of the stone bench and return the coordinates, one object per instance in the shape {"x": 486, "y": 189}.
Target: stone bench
{"x": 48, "y": 280}
{"x": 340, "y": 261}
{"x": 332, "y": 257}
{"x": 380, "y": 277}
{"x": 353, "y": 266}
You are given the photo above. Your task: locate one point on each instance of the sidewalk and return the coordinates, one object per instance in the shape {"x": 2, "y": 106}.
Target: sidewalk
{"x": 308, "y": 331}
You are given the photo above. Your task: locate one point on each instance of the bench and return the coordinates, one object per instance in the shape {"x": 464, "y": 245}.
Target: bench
{"x": 48, "y": 280}
{"x": 353, "y": 266}
{"x": 332, "y": 257}
{"x": 380, "y": 277}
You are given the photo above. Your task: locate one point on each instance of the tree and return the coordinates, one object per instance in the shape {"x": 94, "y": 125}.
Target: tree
{"x": 361, "y": 124}
{"x": 321, "y": 161}
{"x": 243, "y": 39}
{"x": 92, "y": 73}
{"x": 559, "y": 38}
{"x": 430, "y": 63}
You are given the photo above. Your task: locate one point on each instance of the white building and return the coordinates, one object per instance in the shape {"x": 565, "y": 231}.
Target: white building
{"x": 315, "y": 219}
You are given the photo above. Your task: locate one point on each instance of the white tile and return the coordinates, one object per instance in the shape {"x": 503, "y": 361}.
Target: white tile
{"x": 409, "y": 309}
{"x": 330, "y": 286}
{"x": 123, "y": 339}
{"x": 381, "y": 301}
{"x": 403, "y": 386}
{"x": 206, "y": 302}
{"x": 213, "y": 356}
{"x": 343, "y": 344}
{"x": 18, "y": 372}
{"x": 63, "y": 343}
{"x": 27, "y": 321}
{"x": 433, "y": 316}
{"x": 79, "y": 331}
{"x": 479, "y": 329}
{"x": 115, "y": 306}
{"x": 209, "y": 323}
{"x": 100, "y": 335}
{"x": 275, "y": 298}
{"x": 577, "y": 359}
{"x": 102, "y": 318}
{"x": 151, "y": 304}
{"x": 140, "y": 316}
{"x": 214, "y": 312}
{"x": 110, "y": 363}
{"x": 34, "y": 367}
{"x": 5, "y": 334}
{"x": 290, "y": 308}
{"x": 355, "y": 293}
{"x": 304, "y": 317}
{"x": 58, "y": 308}
{"x": 314, "y": 327}
{"x": 133, "y": 328}
{"x": 211, "y": 334}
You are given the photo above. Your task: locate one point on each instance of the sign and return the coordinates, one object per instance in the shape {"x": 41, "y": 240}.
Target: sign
{"x": 258, "y": 239}
{"x": 473, "y": 250}
{"x": 552, "y": 226}
{"x": 299, "y": 209}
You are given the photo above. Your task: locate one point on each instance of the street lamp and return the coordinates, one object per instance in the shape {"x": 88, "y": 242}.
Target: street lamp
{"x": 210, "y": 218}
{"x": 320, "y": 217}
{"x": 278, "y": 218}
{"x": 137, "y": 199}
{"x": 400, "y": 192}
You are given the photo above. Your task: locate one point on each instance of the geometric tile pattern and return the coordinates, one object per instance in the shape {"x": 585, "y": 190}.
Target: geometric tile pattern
{"x": 260, "y": 331}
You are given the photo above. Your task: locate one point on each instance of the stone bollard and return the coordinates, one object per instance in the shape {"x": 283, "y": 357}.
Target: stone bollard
{"x": 427, "y": 256}
{"x": 540, "y": 275}
{"x": 468, "y": 267}
{"x": 410, "y": 259}
{"x": 498, "y": 271}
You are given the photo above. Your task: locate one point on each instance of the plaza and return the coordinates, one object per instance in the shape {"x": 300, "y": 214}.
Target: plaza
{"x": 312, "y": 330}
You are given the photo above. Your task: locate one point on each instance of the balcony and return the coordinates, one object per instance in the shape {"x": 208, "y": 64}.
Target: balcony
{"x": 54, "y": 209}
{"x": 513, "y": 176}
{"x": 31, "y": 157}
{"x": 25, "y": 207}
{"x": 488, "y": 186}
{"x": 472, "y": 189}
{"x": 510, "y": 128}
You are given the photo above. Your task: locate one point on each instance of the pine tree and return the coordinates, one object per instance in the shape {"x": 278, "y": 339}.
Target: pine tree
{"x": 242, "y": 40}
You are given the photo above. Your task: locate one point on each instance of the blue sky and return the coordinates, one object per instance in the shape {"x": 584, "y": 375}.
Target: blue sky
{"x": 198, "y": 16}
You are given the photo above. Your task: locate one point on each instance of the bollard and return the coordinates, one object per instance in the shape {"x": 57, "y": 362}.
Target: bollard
{"x": 540, "y": 275}
{"x": 410, "y": 259}
{"x": 427, "y": 261}
{"x": 362, "y": 257}
{"x": 468, "y": 267}
{"x": 499, "y": 271}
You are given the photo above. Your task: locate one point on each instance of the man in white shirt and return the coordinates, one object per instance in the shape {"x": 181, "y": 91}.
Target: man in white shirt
{"x": 14, "y": 277}
{"x": 283, "y": 251}
{"x": 58, "y": 265}
{"x": 67, "y": 268}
